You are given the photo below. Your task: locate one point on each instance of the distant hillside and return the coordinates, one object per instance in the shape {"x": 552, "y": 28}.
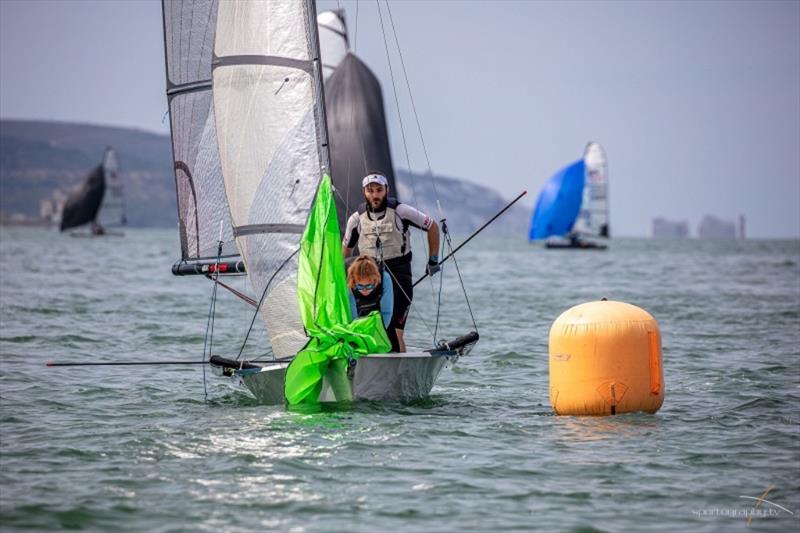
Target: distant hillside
{"x": 466, "y": 205}
{"x": 39, "y": 157}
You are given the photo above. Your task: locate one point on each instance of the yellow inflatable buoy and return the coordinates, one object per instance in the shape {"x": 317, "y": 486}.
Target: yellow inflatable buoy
{"x": 605, "y": 359}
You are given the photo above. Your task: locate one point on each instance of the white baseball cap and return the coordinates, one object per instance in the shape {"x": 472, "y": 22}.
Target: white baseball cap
{"x": 374, "y": 178}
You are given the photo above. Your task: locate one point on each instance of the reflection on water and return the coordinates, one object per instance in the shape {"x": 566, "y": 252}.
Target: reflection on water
{"x": 570, "y": 429}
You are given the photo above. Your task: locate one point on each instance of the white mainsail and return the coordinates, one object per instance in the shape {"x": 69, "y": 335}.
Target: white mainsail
{"x": 593, "y": 216}
{"x": 270, "y": 129}
{"x": 333, "y": 42}
{"x": 112, "y": 211}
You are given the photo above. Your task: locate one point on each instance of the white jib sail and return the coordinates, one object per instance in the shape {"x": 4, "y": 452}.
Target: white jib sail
{"x": 333, "y": 42}
{"x": 272, "y": 147}
{"x": 593, "y": 216}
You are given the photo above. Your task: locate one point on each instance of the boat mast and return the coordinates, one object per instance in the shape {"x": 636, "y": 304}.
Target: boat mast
{"x": 322, "y": 122}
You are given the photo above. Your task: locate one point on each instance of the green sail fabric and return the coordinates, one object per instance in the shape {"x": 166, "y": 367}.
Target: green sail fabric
{"x": 325, "y": 310}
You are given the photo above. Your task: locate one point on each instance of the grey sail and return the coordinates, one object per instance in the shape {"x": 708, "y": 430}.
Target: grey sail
{"x": 189, "y": 31}
{"x": 359, "y": 140}
{"x": 83, "y": 202}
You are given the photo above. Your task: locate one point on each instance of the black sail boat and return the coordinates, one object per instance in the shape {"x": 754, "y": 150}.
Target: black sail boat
{"x": 97, "y": 201}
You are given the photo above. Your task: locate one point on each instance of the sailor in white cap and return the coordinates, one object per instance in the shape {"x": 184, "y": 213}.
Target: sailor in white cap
{"x": 380, "y": 229}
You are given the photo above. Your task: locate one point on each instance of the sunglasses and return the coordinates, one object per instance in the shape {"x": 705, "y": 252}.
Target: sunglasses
{"x": 367, "y": 287}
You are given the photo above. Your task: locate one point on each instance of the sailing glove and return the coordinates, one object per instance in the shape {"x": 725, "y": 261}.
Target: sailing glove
{"x": 433, "y": 265}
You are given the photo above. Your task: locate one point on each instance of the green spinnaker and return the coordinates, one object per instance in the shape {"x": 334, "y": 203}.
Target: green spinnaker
{"x": 325, "y": 310}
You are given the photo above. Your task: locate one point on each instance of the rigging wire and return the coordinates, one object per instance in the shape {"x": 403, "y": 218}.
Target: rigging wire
{"x": 261, "y": 301}
{"x": 418, "y": 314}
{"x": 396, "y": 101}
{"x": 441, "y": 283}
{"x": 416, "y": 119}
{"x": 400, "y": 119}
{"x": 361, "y": 137}
{"x": 396, "y": 283}
{"x": 208, "y": 342}
{"x": 414, "y": 108}
{"x": 460, "y": 279}
{"x": 355, "y": 33}
{"x": 430, "y": 169}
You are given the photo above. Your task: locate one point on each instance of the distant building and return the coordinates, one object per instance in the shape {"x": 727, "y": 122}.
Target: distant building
{"x": 51, "y": 209}
{"x": 46, "y": 209}
{"x": 663, "y": 228}
{"x": 741, "y": 227}
{"x": 712, "y": 227}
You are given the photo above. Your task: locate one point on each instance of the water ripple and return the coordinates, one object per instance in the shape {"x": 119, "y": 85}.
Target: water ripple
{"x": 141, "y": 448}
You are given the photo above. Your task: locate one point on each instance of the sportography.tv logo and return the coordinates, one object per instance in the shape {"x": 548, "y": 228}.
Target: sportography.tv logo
{"x": 761, "y": 508}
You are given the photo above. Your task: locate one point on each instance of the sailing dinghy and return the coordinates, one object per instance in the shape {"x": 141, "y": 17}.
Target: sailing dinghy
{"x": 573, "y": 204}
{"x": 249, "y": 137}
{"x": 96, "y": 201}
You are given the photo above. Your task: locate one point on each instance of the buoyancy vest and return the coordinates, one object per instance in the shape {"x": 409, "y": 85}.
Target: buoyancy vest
{"x": 389, "y": 230}
{"x": 371, "y": 302}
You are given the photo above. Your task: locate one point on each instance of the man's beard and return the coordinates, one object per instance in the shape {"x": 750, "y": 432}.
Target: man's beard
{"x": 381, "y": 207}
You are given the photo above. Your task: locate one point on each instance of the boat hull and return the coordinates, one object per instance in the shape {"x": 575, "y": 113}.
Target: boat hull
{"x": 583, "y": 245}
{"x": 378, "y": 377}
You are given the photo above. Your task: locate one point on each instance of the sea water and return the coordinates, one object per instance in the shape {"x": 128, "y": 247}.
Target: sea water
{"x": 167, "y": 448}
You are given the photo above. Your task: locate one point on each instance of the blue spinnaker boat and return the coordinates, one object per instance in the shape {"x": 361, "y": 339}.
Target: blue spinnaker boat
{"x": 574, "y": 203}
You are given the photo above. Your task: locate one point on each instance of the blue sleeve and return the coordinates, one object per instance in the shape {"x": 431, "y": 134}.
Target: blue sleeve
{"x": 387, "y": 299}
{"x": 353, "y": 308}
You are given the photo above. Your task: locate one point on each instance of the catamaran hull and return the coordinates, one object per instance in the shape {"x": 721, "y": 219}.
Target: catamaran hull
{"x": 380, "y": 377}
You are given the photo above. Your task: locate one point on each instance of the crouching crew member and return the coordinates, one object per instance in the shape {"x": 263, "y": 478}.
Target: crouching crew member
{"x": 371, "y": 290}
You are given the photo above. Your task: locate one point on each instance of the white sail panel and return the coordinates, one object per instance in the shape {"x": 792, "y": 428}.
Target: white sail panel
{"x": 112, "y": 210}
{"x": 333, "y": 42}
{"x": 593, "y": 217}
{"x": 189, "y": 27}
{"x": 266, "y": 100}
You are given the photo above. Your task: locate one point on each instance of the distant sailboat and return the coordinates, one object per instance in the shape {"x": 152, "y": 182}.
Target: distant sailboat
{"x": 573, "y": 204}
{"x": 97, "y": 201}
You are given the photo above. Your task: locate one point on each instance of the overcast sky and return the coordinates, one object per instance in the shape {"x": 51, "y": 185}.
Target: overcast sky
{"x": 696, "y": 103}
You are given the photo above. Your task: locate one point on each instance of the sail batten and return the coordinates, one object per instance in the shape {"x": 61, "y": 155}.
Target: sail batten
{"x": 189, "y": 87}
{"x": 301, "y": 64}
{"x": 241, "y": 231}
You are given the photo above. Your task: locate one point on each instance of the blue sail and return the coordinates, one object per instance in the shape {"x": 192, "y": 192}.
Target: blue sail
{"x": 559, "y": 203}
